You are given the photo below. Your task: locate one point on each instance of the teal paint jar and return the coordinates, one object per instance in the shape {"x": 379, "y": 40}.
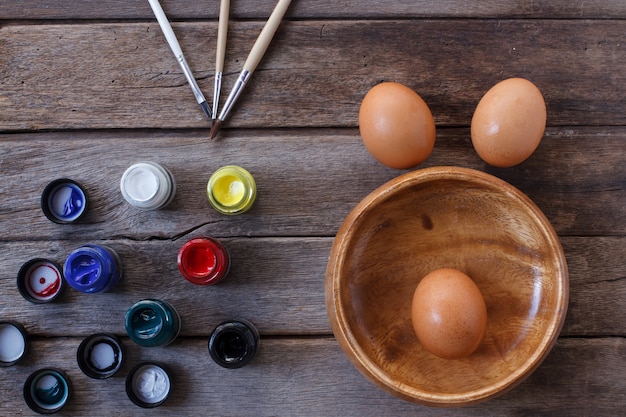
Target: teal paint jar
{"x": 152, "y": 323}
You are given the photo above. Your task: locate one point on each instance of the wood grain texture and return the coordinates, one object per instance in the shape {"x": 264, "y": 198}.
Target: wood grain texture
{"x": 88, "y": 88}
{"x": 576, "y": 176}
{"x": 285, "y": 379}
{"x": 276, "y": 282}
{"x": 114, "y": 75}
{"x": 190, "y": 9}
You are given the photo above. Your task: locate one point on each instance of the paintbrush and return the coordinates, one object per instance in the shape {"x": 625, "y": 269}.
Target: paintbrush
{"x": 222, "y": 32}
{"x": 166, "y": 28}
{"x": 256, "y": 53}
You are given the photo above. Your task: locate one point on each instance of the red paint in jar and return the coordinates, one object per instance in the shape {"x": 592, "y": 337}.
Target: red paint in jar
{"x": 203, "y": 261}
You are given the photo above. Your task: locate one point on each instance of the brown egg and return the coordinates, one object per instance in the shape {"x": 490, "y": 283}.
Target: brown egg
{"x": 396, "y": 125}
{"x": 449, "y": 314}
{"x": 508, "y": 122}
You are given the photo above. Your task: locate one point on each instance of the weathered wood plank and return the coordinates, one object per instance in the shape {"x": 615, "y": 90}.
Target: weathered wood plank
{"x": 308, "y": 180}
{"x": 190, "y": 9}
{"x": 312, "y": 377}
{"x": 101, "y": 76}
{"x": 276, "y": 282}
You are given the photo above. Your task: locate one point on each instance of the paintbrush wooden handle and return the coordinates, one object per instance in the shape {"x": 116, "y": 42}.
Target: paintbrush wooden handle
{"x": 264, "y": 39}
{"x": 222, "y": 31}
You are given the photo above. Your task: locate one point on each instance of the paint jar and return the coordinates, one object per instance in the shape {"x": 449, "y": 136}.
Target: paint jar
{"x": 203, "y": 261}
{"x": 40, "y": 281}
{"x": 148, "y": 384}
{"x": 231, "y": 190}
{"x": 152, "y": 323}
{"x": 13, "y": 342}
{"x": 46, "y": 391}
{"x": 100, "y": 355}
{"x": 148, "y": 185}
{"x": 64, "y": 201}
{"x": 233, "y": 344}
{"x": 93, "y": 268}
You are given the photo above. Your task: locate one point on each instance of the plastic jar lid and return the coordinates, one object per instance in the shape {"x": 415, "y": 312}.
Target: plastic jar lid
{"x": 233, "y": 344}
{"x": 39, "y": 280}
{"x": 100, "y": 355}
{"x": 13, "y": 342}
{"x": 46, "y": 391}
{"x": 148, "y": 186}
{"x": 63, "y": 201}
{"x": 148, "y": 384}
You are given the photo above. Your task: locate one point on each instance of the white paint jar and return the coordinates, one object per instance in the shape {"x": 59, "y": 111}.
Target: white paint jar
{"x": 148, "y": 186}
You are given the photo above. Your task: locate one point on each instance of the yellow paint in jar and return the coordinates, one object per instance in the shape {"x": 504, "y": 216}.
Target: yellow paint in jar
{"x": 228, "y": 190}
{"x": 231, "y": 190}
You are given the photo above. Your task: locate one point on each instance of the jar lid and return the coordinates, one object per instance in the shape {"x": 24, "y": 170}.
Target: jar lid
{"x": 231, "y": 190}
{"x": 13, "y": 342}
{"x": 47, "y": 390}
{"x": 148, "y": 185}
{"x": 233, "y": 344}
{"x": 39, "y": 280}
{"x": 63, "y": 201}
{"x": 203, "y": 261}
{"x": 100, "y": 355}
{"x": 148, "y": 384}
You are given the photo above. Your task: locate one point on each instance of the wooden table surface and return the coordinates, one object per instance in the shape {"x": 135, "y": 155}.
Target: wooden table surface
{"x": 89, "y": 88}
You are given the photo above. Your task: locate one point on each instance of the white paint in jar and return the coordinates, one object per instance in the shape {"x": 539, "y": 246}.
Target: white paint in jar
{"x": 12, "y": 343}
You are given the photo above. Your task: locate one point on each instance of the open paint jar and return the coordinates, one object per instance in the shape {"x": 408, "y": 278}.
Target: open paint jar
{"x": 46, "y": 391}
{"x": 148, "y": 384}
{"x": 231, "y": 190}
{"x": 148, "y": 186}
{"x": 13, "y": 338}
{"x": 152, "y": 323}
{"x": 63, "y": 201}
{"x": 40, "y": 281}
{"x": 203, "y": 261}
{"x": 93, "y": 268}
{"x": 234, "y": 344}
{"x": 100, "y": 355}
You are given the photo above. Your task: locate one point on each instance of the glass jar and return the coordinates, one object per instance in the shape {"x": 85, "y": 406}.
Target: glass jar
{"x": 152, "y": 323}
{"x": 93, "y": 268}
{"x": 234, "y": 344}
{"x": 148, "y": 185}
{"x": 203, "y": 261}
{"x": 231, "y": 190}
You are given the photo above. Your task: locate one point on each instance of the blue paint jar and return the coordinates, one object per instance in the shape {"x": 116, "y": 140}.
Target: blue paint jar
{"x": 152, "y": 323}
{"x": 92, "y": 268}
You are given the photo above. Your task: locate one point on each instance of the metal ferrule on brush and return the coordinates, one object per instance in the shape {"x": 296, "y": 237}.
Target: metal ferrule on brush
{"x": 235, "y": 92}
{"x": 216, "y": 93}
{"x": 192, "y": 81}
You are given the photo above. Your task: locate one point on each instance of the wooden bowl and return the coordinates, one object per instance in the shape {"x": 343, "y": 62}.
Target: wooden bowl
{"x": 446, "y": 217}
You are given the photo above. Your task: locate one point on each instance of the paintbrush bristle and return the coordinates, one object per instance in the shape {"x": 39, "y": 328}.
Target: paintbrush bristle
{"x": 215, "y": 128}
{"x": 205, "y": 108}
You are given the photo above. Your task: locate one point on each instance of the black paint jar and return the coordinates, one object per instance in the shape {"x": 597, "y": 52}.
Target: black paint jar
{"x": 233, "y": 344}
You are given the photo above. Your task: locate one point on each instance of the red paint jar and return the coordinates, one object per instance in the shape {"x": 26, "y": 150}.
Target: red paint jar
{"x": 203, "y": 261}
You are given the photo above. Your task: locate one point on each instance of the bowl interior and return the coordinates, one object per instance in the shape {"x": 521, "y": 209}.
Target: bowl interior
{"x": 437, "y": 218}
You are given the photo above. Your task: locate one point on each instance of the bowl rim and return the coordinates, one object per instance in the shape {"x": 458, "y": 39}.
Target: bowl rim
{"x": 336, "y": 312}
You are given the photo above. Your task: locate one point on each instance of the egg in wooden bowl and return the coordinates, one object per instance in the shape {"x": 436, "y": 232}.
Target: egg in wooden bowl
{"x": 446, "y": 218}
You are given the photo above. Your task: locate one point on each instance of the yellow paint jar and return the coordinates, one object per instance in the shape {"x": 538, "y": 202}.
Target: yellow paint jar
{"x": 231, "y": 190}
